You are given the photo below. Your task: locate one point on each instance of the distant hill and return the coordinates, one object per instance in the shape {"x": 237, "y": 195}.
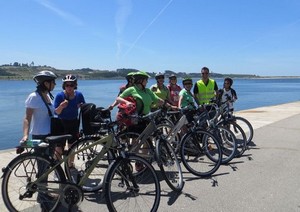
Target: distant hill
{"x": 23, "y": 72}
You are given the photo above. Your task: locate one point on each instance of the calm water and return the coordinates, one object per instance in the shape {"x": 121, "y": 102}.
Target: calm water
{"x": 252, "y": 93}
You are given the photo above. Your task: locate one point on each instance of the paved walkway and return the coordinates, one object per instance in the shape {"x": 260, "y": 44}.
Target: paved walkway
{"x": 266, "y": 178}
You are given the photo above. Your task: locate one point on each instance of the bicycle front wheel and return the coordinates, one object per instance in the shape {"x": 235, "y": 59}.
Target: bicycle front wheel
{"x": 201, "y": 153}
{"x": 82, "y": 161}
{"x": 21, "y": 193}
{"x": 169, "y": 165}
{"x": 127, "y": 191}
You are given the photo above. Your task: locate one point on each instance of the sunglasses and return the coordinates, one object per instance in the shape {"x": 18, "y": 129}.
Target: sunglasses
{"x": 70, "y": 85}
{"x": 204, "y": 73}
{"x": 188, "y": 83}
{"x": 160, "y": 78}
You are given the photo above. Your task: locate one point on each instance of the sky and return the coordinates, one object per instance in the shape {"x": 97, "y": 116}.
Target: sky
{"x": 260, "y": 37}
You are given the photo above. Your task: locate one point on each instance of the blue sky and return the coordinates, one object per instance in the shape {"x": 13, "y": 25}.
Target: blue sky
{"x": 229, "y": 36}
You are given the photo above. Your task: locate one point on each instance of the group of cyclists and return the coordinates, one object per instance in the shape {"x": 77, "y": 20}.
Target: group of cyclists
{"x": 68, "y": 102}
{"x": 172, "y": 95}
{"x": 40, "y": 107}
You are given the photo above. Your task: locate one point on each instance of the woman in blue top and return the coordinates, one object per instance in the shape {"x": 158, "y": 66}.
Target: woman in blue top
{"x": 66, "y": 105}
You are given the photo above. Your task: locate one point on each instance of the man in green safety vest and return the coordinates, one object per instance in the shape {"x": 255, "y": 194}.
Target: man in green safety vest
{"x": 205, "y": 89}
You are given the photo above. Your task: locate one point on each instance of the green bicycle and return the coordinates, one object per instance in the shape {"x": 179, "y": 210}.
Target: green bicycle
{"x": 34, "y": 180}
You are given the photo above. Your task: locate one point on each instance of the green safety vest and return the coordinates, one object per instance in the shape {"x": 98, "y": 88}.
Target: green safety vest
{"x": 205, "y": 92}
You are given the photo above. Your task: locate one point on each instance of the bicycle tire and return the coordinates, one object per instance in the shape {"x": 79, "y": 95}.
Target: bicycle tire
{"x": 201, "y": 153}
{"x": 246, "y": 126}
{"x": 228, "y": 143}
{"x": 239, "y": 134}
{"x": 17, "y": 177}
{"x": 83, "y": 160}
{"x": 122, "y": 185}
{"x": 169, "y": 165}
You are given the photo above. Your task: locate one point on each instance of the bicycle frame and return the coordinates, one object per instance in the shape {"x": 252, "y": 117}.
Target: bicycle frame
{"x": 182, "y": 121}
{"x": 142, "y": 138}
{"x": 107, "y": 142}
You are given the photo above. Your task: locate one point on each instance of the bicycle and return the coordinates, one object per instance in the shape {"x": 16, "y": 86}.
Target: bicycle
{"x": 102, "y": 125}
{"x": 228, "y": 115}
{"x": 199, "y": 149}
{"x": 152, "y": 145}
{"x": 34, "y": 179}
{"x": 225, "y": 137}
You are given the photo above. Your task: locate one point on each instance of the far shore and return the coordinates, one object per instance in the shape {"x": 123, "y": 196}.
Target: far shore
{"x": 121, "y": 78}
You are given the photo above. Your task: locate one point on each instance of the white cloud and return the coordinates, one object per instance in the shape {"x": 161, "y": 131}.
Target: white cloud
{"x": 65, "y": 15}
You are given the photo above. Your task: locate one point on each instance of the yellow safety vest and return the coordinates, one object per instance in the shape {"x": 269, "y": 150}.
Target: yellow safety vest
{"x": 205, "y": 92}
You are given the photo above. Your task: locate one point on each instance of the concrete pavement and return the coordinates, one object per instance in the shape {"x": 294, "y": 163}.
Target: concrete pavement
{"x": 265, "y": 178}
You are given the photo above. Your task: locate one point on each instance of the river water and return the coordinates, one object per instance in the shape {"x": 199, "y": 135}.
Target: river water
{"x": 252, "y": 93}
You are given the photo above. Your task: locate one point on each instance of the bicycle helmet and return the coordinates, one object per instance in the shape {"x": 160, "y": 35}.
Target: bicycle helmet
{"x": 141, "y": 75}
{"x": 43, "y": 76}
{"x": 138, "y": 77}
{"x": 172, "y": 76}
{"x": 129, "y": 76}
{"x": 229, "y": 80}
{"x": 187, "y": 79}
{"x": 69, "y": 78}
{"x": 158, "y": 75}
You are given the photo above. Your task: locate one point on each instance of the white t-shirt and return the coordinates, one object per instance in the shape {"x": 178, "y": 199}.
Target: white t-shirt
{"x": 40, "y": 123}
{"x": 227, "y": 94}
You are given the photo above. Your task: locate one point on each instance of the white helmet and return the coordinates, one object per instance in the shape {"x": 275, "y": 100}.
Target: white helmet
{"x": 43, "y": 76}
{"x": 69, "y": 78}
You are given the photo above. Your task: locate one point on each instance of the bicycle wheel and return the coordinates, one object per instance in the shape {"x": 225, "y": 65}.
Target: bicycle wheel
{"x": 169, "y": 165}
{"x": 21, "y": 193}
{"x": 83, "y": 160}
{"x": 201, "y": 153}
{"x": 127, "y": 191}
{"x": 227, "y": 142}
{"x": 246, "y": 126}
{"x": 239, "y": 134}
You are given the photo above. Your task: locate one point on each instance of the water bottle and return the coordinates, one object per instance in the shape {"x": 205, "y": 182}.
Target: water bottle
{"x": 33, "y": 142}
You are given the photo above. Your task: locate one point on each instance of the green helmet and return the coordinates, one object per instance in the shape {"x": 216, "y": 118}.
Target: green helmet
{"x": 130, "y": 75}
{"x": 187, "y": 79}
{"x": 141, "y": 74}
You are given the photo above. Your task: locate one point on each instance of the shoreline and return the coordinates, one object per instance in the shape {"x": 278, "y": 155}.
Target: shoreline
{"x": 256, "y": 116}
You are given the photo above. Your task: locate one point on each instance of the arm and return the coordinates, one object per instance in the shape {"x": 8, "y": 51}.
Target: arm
{"x": 120, "y": 100}
{"x": 195, "y": 91}
{"x": 113, "y": 105}
{"x": 26, "y": 123}
{"x": 60, "y": 103}
{"x": 180, "y": 100}
{"x": 61, "y": 106}
{"x": 216, "y": 88}
{"x": 234, "y": 94}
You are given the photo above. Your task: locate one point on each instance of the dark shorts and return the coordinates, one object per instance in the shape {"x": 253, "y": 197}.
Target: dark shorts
{"x": 71, "y": 127}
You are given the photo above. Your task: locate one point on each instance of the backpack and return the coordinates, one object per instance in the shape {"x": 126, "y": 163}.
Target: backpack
{"x": 89, "y": 113}
{"x": 123, "y": 115}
